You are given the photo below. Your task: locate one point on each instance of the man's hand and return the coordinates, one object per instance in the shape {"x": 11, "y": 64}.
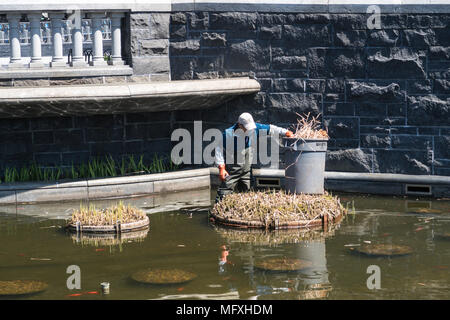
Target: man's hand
{"x": 223, "y": 174}
{"x": 289, "y": 134}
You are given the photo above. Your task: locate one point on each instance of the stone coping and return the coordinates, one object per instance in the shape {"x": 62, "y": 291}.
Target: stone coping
{"x": 108, "y": 188}
{"x": 67, "y": 72}
{"x": 319, "y": 6}
{"x": 176, "y": 88}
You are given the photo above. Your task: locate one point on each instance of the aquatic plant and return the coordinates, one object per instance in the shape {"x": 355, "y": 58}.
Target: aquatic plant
{"x": 18, "y": 287}
{"x": 271, "y": 206}
{"x": 282, "y": 264}
{"x": 95, "y": 168}
{"x": 309, "y": 128}
{"x": 163, "y": 276}
{"x": 91, "y": 216}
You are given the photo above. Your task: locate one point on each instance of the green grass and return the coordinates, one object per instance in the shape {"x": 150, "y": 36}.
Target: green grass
{"x": 95, "y": 168}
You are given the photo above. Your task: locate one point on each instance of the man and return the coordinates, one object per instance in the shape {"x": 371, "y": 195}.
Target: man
{"x": 238, "y": 172}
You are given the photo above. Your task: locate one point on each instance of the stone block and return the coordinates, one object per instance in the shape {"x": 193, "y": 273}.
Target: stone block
{"x": 401, "y": 161}
{"x": 159, "y": 25}
{"x": 340, "y": 63}
{"x": 14, "y": 125}
{"x": 404, "y": 130}
{"x": 395, "y": 63}
{"x": 370, "y": 109}
{"x": 335, "y": 85}
{"x": 428, "y": 110}
{"x": 288, "y": 63}
{"x": 418, "y": 38}
{"x": 349, "y": 21}
{"x": 152, "y": 64}
{"x": 154, "y": 47}
{"x": 288, "y": 85}
{"x": 294, "y": 102}
{"x": 411, "y": 142}
{"x": 418, "y": 86}
{"x": 188, "y": 47}
{"x": 178, "y": 18}
{"x": 369, "y": 91}
{"x": 383, "y": 38}
{"x": 339, "y": 109}
{"x": 343, "y": 128}
{"x": 350, "y": 38}
{"x": 198, "y": 20}
{"x": 43, "y": 137}
{"x": 315, "y": 86}
{"x": 178, "y": 32}
{"x": 350, "y": 160}
{"x": 396, "y": 110}
{"x": 240, "y": 24}
{"x": 441, "y": 86}
{"x": 374, "y": 129}
{"x": 247, "y": 55}
{"x": 212, "y": 39}
{"x": 270, "y": 33}
{"x": 307, "y": 36}
{"x": 439, "y": 53}
{"x": 308, "y": 18}
{"x": 375, "y": 141}
{"x": 139, "y": 20}
{"x": 442, "y": 147}
{"x": 101, "y": 149}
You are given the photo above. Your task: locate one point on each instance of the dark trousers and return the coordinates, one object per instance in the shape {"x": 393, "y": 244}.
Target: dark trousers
{"x": 238, "y": 179}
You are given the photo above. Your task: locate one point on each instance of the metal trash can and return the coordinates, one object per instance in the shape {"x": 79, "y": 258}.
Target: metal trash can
{"x": 305, "y": 165}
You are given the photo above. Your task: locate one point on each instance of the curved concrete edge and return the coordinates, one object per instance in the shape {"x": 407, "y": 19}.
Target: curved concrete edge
{"x": 387, "y": 177}
{"x": 130, "y": 90}
{"x": 121, "y": 187}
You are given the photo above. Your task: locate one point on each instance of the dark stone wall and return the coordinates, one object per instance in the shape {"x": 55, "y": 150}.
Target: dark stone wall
{"x": 62, "y": 141}
{"x": 384, "y": 95}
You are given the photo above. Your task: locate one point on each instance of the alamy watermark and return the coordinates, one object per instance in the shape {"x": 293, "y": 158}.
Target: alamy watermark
{"x": 374, "y": 280}
{"x": 182, "y": 151}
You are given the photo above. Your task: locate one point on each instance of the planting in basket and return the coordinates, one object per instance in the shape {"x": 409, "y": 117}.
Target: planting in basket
{"x": 277, "y": 210}
{"x": 115, "y": 219}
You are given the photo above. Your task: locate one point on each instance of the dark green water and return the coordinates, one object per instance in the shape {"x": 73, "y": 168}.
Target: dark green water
{"x": 35, "y": 246}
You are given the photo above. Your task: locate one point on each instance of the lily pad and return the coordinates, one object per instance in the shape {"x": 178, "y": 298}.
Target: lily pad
{"x": 163, "y": 276}
{"x": 283, "y": 264}
{"x": 18, "y": 287}
{"x": 383, "y": 250}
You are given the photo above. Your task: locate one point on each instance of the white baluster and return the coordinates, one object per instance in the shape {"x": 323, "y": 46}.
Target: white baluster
{"x": 77, "y": 46}
{"x": 116, "y": 39}
{"x": 58, "y": 58}
{"x": 36, "y": 44}
{"x": 97, "y": 20}
{"x": 14, "y": 40}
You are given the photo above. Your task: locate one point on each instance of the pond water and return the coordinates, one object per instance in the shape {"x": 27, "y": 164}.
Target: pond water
{"x": 34, "y": 246}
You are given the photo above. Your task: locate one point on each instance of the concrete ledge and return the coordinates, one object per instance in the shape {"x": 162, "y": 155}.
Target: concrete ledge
{"x": 319, "y": 6}
{"x": 128, "y": 97}
{"x": 65, "y": 72}
{"x": 121, "y": 187}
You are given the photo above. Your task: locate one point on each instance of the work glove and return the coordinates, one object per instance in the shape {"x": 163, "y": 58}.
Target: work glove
{"x": 289, "y": 134}
{"x": 223, "y": 174}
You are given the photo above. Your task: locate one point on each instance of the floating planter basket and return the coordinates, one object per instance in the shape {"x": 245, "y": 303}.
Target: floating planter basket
{"x": 277, "y": 210}
{"x": 163, "y": 276}
{"x": 19, "y": 287}
{"x": 282, "y": 264}
{"x": 117, "y": 219}
{"x": 382, "y": 250}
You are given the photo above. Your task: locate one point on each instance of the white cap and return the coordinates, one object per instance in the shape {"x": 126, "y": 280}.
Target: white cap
{"x": 247, "y": 121}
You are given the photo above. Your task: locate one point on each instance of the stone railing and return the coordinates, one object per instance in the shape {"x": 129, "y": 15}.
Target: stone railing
{"x": 81, "y": 40}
